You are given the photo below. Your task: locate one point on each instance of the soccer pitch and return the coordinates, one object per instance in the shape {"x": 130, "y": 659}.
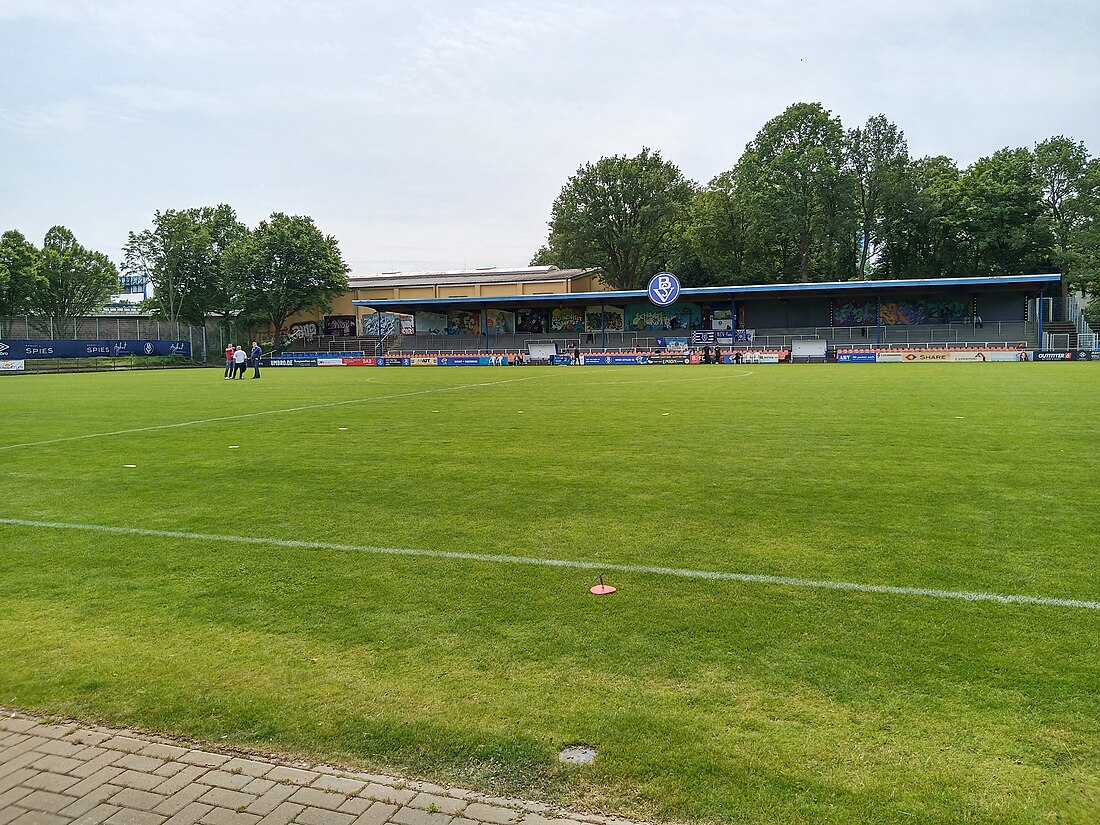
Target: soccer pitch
{"x": 847, "y": 593}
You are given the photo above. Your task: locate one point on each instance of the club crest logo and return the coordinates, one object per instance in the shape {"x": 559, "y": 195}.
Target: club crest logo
{"x": 664, "y": 289}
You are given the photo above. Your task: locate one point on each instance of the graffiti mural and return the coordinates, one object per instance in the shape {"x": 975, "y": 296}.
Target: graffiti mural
{"x": 900, "y": 313}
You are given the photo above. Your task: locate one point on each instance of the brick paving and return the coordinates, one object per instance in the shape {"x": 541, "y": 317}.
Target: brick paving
{"x": 77, "y": 774}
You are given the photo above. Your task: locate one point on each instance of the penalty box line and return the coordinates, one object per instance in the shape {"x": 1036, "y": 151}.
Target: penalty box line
{"x": 242, "y": 416}
{"x": 714, "y": 575}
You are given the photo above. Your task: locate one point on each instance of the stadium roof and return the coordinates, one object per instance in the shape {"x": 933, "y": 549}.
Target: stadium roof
{"x": 714, "y": 293}
{"x": 460, "y": 277}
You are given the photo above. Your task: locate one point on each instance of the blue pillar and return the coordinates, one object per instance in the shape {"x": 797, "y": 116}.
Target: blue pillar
{"x": 603, "y": 326}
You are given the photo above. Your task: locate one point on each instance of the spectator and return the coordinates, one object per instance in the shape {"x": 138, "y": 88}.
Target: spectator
{"x": 239, "y": 359}
{"x": 256, "y": 353}
{"x": 229, "y": 365}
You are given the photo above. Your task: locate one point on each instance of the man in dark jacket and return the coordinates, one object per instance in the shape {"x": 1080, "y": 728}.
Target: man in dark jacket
{"x": 256, "y": 353}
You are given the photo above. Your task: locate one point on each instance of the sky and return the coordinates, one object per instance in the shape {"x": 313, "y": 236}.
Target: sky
{"x": 428, "y": 135}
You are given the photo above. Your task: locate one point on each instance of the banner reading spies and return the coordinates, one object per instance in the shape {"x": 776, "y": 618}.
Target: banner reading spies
{"x": 30, "y": 348}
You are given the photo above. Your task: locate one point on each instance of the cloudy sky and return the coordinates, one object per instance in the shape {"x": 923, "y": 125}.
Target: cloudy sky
{"x": 426, "y": 134}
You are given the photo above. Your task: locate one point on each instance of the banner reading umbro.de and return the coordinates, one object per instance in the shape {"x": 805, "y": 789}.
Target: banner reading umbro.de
{"x": 29, "y": 348}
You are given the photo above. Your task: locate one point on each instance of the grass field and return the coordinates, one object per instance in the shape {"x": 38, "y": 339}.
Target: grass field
{"x": 707, "y": 699}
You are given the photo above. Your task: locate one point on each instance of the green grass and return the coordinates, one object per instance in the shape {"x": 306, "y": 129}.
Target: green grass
{"x": 707, "y": 700}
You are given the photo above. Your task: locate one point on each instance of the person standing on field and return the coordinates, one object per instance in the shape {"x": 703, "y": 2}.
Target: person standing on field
{"x": 239, "y": 359}
{"x": 229, "y": 365}
{"x": 256, "y": 353}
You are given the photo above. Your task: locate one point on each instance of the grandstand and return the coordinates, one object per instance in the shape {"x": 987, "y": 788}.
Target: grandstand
{"x": 496, "y": 312}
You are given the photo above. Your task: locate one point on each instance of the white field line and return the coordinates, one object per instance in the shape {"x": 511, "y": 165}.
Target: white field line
{"x": 714, "y": 575}
{"x": 263, "y": 412}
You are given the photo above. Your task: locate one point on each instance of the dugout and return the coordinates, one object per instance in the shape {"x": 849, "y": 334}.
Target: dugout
{"x": 989, "y": 311}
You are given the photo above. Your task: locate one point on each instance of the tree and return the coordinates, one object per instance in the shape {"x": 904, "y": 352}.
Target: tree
{"x": 1003, "y": 221}
{"x": 718, "y": 231}
{"x": 876, "y": 155}
{"x": 622, "y": 214}
{"x": 289, "y": 267}
{"x": 798, "y": 195}
{"x": 74, "y": 281}
{"x": 19, "y": 260}
{"x": 920, "y": 225}
{"x": 1070, "y": 182}
{"x": 183, "y": 257}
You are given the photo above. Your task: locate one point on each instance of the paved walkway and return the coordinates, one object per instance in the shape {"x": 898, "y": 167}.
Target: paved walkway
{"x": 70, "y": 773}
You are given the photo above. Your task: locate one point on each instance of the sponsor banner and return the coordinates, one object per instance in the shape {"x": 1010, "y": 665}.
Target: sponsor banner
{"x": 330, "y": 362}
{"x": 755, "y": 357}
{"x": 473, "y": 360}
{"x": 947, "y": 356}
{"x": 665, "y": 358}
{"x": 423, "y": 361}
{"x": 1062, "y": 355}
{"x": 12, "y": 366}
{"x": 614, "y": 359}
{"x": 280, "y": 361}
{"x": 901, "y": 357}
{"x": 855, "y": 357}
{"x": 19, "y": 349}
{"x": 354, "y": 362}
{"x": 393, "y": 361}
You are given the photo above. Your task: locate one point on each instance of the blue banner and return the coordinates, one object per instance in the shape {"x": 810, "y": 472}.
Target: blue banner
{"x": 28, "y": 348}
{"x": 855, "y": 357}
{"x": 615, "y": 359}
{"x": 473, "y": 360}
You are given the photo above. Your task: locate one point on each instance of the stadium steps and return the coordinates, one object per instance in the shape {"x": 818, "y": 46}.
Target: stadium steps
{"x": 1062, "y": 328}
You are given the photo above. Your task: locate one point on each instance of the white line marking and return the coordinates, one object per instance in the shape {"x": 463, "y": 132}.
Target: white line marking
{"x": 265, "y": 412}
{"x": 715, "y": 575}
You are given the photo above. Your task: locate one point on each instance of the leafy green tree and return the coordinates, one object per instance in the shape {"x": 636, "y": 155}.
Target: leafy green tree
{"x": 718, "y": 231}
{"x": 183, "y": 257}
{"x": 876, "y": 156}
{"x": 1070, "y": 181}
{"x": 288, "y": 266}
{"x": 623, "y": 214}
{"x": 798, "y": 196}
{"x": 74, "y": 282}
{"x": 921, "y": 219}
{"x": 1003, "y": 222}
{"x": 19, "y": 278}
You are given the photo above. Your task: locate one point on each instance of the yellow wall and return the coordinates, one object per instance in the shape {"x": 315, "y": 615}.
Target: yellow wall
{"x": 343, "y": 305}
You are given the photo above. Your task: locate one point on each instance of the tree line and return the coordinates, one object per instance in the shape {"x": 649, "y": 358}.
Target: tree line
{"x": 810, "y": 201}
{"x": 200, "y": 263}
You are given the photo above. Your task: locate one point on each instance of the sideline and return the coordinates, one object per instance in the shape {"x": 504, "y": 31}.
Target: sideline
{"x": 715, "y": 575}
{"x": 265, "y": 412}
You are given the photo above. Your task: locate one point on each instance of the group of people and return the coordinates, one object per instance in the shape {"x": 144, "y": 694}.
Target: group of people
{"x": 236, "y": 360}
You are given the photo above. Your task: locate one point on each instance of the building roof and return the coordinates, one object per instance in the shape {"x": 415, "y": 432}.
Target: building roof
{"x": 460, "y": 277}
{"x": 713, "y": 293}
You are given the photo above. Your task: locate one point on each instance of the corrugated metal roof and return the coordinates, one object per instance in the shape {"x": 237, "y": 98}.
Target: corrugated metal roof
{"x": 731, "y": 292}
{"x": 460, "y": 277}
